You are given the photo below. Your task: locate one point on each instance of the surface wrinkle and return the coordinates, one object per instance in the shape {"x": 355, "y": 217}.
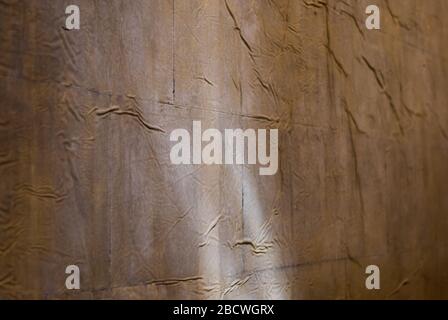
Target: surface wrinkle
{"x": 442, "y": 130}
{"x": 236, "y": 284}
{"x": 133, "y": 97}
{"x": 406, "y": 281}
{"x": 355, "y": 21}
{"x": 68, "y": 48}
{"x": 205, "y": 80}
{"x": 6, "y": 161}
{"x": 257, "y": 248}
{"x": 273, "y": 4}
{"x": 172, "y": 281}
{"x": 262, "y": 118}
{"x": 394, "y": 110}
{"x": 268, "y": 87}
{"x": 381, "y": 83}
{"x": 328, "y": 46}
{"x": 315, "y": 4}
{"x": 179, "y": 219}
{"x": 134, "y": 114}
{"x": 238, "y": 29}
{"x": 377, "y": 73}
{"x": 78, "y": 117}
{"x": 353, "y": 119}
{"x": 357, "y": 171}
{"x": 395, "y": 17}
{"x": 400, "y": 286}
{"x": 336, "y": 60}
{"x": 352, "y": 259}
{"x": 212, "y": 226}
{"x": 406, "y": 107}
{"x": 42, "y": 192}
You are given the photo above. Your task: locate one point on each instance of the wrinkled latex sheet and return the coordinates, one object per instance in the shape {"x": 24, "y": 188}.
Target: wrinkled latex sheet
{"x": 86, "y": 177}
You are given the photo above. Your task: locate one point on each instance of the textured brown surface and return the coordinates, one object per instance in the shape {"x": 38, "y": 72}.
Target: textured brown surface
{"x": 363, "y": 156}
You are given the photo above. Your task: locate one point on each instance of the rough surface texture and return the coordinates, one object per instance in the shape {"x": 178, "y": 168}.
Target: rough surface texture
{"x": 85, "y": 176}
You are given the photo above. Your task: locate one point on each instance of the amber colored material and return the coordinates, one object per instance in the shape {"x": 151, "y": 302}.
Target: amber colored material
{"x": 86, "y": 178}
